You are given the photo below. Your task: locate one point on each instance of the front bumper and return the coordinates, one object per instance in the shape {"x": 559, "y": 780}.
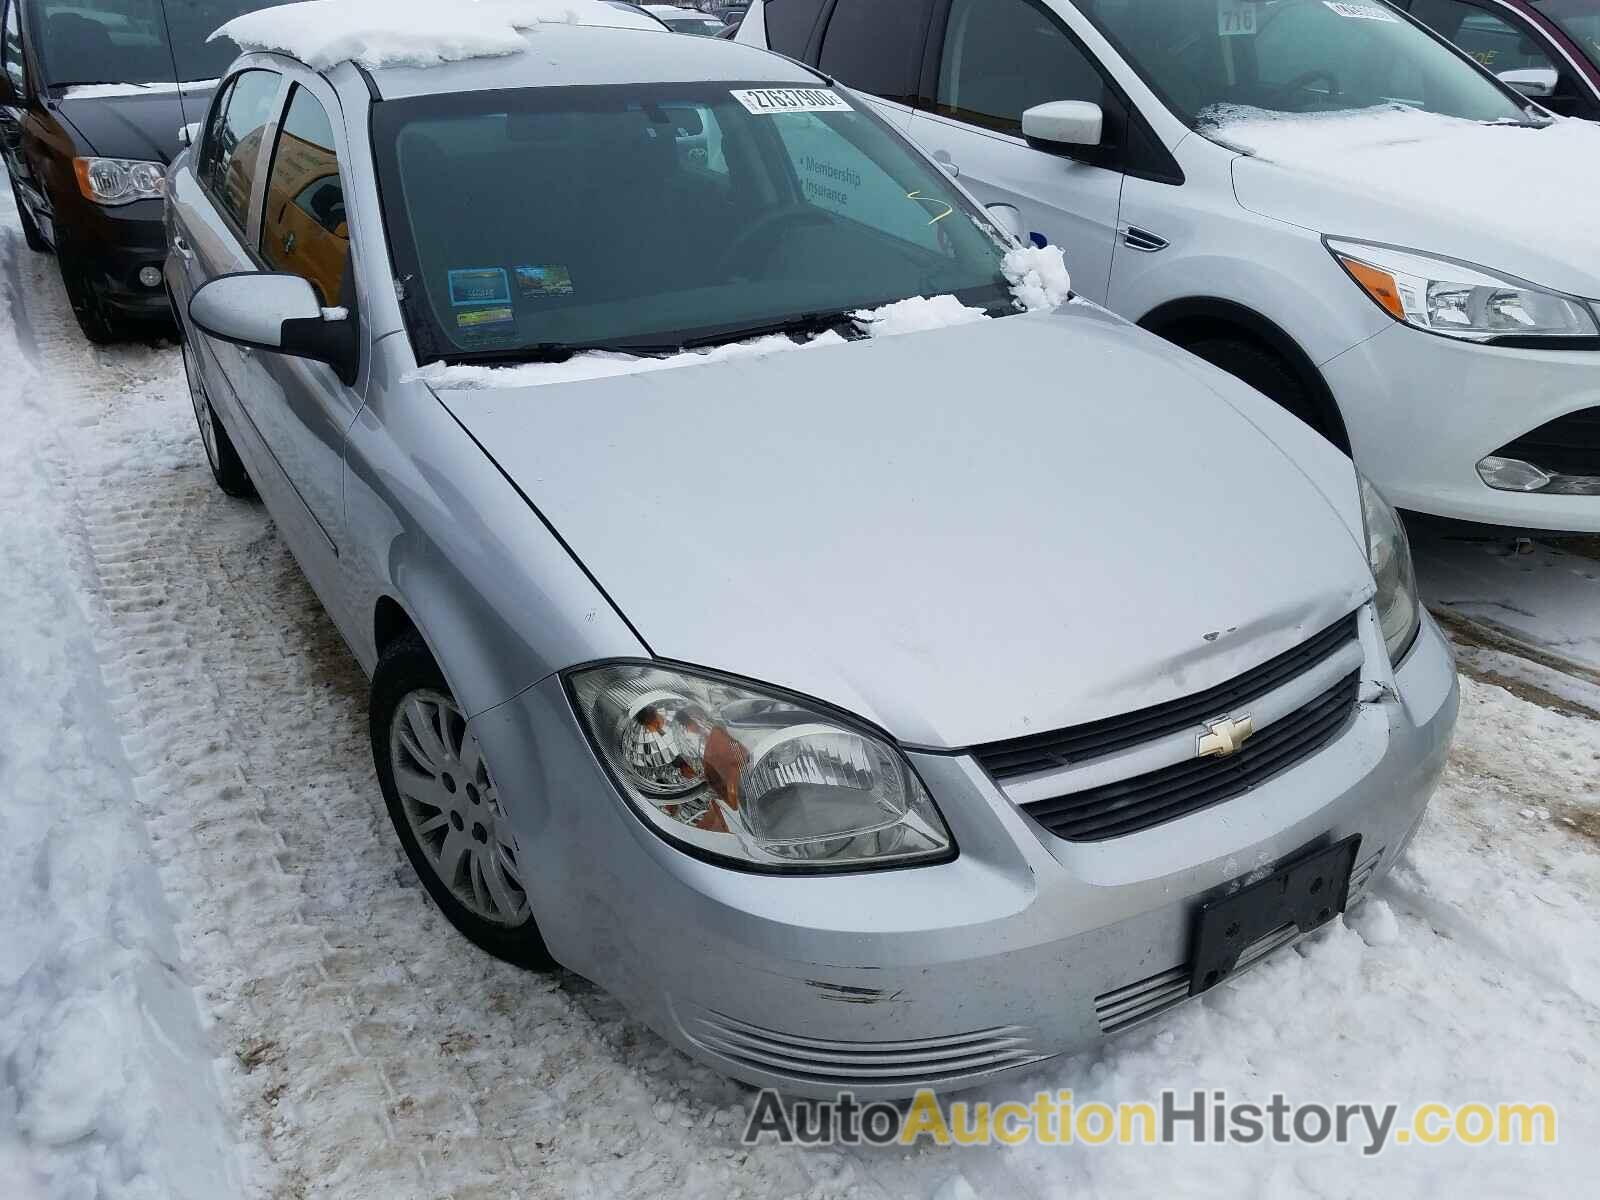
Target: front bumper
{"x": 1424, "y": 410}
{"x": 1023, "y": 947}
{"x": 111, "y": 245}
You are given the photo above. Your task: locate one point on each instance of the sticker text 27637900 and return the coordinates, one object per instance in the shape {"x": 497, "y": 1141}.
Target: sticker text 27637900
{"x": 763, "y": 101}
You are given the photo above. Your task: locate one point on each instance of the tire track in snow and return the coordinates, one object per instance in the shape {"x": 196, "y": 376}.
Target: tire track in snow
{"x": 367, "y": 1050}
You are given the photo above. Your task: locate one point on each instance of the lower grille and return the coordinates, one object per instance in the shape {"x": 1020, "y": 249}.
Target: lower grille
{"x": 1130, "y": 805}
{"x": 820, "y": 1060}
{"x": 1128, "y": 1005}
{"x": 1569, "y": 445}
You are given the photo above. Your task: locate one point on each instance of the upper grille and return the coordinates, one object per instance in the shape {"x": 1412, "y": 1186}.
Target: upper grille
{"x": 1569, "y": 445}
{"x": 1044, "y": 751}
{"x": 1130, "y": 805}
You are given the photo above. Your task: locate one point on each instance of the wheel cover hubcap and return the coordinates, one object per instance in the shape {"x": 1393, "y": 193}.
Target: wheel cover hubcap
{"x": 202, "y": 406}
{"x": 453, "y": 809}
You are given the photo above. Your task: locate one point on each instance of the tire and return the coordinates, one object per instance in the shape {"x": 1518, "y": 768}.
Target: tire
{"x": 446, "y": 809}
{"x": 98, "y": 325}
{"x": 1265, "y": 371}
{"x": 30, "y": 230}
{"x": 227, "y": 468}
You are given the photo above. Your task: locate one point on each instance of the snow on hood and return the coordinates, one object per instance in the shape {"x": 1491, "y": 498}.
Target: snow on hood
{"x": 411, "y": 33}
{"x": 1520, "y": 199}
{"x": 1039, "y": 282}
{"x": 105, "y": 91}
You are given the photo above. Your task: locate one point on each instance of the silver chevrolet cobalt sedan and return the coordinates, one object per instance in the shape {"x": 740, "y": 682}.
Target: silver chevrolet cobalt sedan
{"x": 869, "y": 704}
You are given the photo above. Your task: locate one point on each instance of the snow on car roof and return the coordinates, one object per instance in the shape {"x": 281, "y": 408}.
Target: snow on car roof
{"x": 412, "y": 33}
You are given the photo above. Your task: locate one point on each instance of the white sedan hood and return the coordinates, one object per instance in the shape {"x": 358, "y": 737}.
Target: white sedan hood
{"x": 961, "y": 535}
{"x": 1517, "y": 200}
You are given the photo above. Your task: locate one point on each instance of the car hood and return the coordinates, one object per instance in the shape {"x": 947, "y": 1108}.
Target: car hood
{"x": 1521, "y": 201}
{"x": 961, "y": 535}
{"x": 143, "y": 125}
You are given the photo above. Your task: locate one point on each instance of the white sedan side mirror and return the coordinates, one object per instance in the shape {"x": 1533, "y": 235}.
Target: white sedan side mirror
{"x": 1064, "y": 123}
{"x": 1536, "y": 83}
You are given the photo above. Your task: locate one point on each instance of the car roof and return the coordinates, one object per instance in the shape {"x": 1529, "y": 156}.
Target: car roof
{"x": 582, "y": 55}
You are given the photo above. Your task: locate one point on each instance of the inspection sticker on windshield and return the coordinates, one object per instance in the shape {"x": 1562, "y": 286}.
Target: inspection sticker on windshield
{"x": 1361, "y": 12}
{"x": 535, "y": 283}
{"x": 782, "y": 100}
{"x": 479, "y": 285}
{"x": 1236, "y": 18}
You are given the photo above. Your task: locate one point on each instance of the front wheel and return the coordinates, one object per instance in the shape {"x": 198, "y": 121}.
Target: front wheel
{"x": 227, "y": 468}
{"x": 446, "y": 808}
{"x": 94, "y": 319}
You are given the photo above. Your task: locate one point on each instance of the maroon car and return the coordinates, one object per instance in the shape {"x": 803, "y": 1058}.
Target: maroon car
{"x": 1547, "y": 49}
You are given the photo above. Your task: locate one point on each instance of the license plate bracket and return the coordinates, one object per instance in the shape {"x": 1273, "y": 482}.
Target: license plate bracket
{"x": 1307, "y": 893}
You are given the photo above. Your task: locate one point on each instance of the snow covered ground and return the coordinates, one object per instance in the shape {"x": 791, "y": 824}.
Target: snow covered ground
{"x": 218, "y": 976}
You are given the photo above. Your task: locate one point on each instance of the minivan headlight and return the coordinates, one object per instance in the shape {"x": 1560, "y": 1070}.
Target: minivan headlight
{"x": 1389, "y": 552}
{"x": 756, "y": 779}
{"x": 1461, "y": 301}
{"x": 119, "y": 180}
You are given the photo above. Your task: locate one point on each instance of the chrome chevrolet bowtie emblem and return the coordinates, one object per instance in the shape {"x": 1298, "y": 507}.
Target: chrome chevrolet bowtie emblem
{"x": 1224, "y": 737}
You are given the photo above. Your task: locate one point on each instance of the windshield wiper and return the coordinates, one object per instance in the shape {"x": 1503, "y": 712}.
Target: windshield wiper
{"x": 552, "y": 352}
{"x": 831, "y": 320}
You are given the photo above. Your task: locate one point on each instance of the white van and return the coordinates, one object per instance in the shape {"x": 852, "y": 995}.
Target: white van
{"x": 1321, "y": 196}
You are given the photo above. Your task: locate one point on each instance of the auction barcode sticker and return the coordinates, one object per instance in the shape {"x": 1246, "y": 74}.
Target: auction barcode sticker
{"x": 782, "y": 100}
{"x": 1361, "y": 12}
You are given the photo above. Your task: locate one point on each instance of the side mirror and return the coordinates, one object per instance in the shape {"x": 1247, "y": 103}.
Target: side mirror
{"x": 1064, "y": 123}
{"x": 1008, "y": 217}
{"x": 280, "y": 313}
{"x": 1536, "y": 83}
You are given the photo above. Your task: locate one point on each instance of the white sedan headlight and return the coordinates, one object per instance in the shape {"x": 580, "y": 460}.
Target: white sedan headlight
{"x": 758, "y": 779}
{"x": 119, "y": 180}
{"x": 1389, "y": 552}
{"x": 1461, "y": 301}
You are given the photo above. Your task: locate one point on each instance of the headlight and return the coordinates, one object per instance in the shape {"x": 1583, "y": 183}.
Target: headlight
{"x": 1460, "y": 301}
{"x": 757, "y": 779}
{"x": 119, "y": 180}
{"x": 1399, "y": 611}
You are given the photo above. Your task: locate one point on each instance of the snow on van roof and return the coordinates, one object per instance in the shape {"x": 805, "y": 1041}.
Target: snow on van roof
{"x": 411, "y": 33}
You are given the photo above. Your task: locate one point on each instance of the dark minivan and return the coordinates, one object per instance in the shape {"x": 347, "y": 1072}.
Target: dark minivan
{"x": 94, "y": 96}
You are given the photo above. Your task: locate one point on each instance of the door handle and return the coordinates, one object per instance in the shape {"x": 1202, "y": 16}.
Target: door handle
{"x": 182, "y": 247}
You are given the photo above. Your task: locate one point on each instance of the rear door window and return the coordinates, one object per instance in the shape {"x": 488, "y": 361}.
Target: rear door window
{"x": 232, "y": 147}
{"x": 876, "y": 46}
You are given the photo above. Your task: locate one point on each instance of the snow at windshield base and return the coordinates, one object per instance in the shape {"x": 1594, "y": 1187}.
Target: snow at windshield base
{"x": 411, "y": 33}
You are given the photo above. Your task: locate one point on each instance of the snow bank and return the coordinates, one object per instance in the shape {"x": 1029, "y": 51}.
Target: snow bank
{"x": 411, "y": 33}
{"x": 105, "y": 1074}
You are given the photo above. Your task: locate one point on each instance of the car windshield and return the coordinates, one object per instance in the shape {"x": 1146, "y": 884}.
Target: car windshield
{"x": 1579, "y": 18}
{"x": 544, "y": 220}
{"x": 133, "y": 41}
{"x": 1293, "y": 56}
